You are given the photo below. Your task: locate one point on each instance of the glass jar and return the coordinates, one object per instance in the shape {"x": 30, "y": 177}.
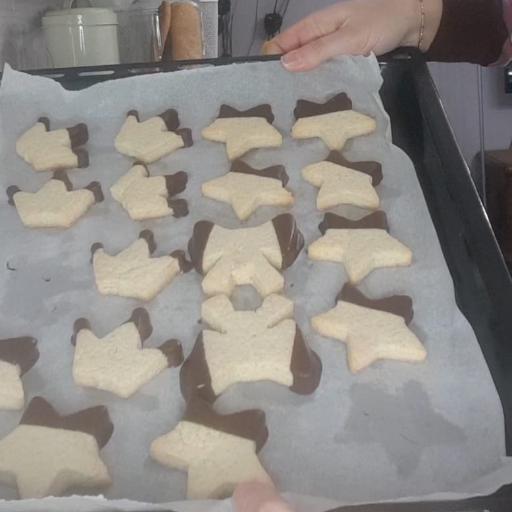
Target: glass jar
{"x": 140, "y": 39}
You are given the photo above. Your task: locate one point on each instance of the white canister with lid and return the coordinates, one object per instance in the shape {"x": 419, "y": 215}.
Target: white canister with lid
{"x": 82, "y": 37}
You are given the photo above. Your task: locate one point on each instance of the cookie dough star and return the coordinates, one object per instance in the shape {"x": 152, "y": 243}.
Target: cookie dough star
{"x": 334, "y": 122}
{"x": 246, "y": 189}
{"x": 150, "y": 140}
{"x": 133, "y": 272}
{"x": 56, "y": 204}
{"x": 370, "y": 334}
{"x": 150, "y": 197}
{"x": 218, "y": 451}
{"x": 359, "y": 246}
{"x": 341, "y": 185}
{"x": 118, "y": 362}
{"x": 53, "y": 150}
{"x": 242, "y": 131}
{"x": 47, "y": 454}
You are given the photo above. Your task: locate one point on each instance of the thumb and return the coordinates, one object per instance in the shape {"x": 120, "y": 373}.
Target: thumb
{"x": 312, "y": 54}
{"x": 258, "y": 497}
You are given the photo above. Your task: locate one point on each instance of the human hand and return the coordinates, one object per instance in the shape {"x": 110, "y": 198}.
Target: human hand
{"x": 356, "y": 27}
{"x": 258, "y": 497}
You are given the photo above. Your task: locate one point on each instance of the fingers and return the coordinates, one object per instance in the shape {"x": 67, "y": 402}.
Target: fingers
{"x": 314, "y": 53}
{"x": 312, "y": 27}
{"x": 258, "y": 497}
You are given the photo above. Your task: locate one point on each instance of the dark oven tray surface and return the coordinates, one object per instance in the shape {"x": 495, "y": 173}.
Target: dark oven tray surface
{"x": 482, "y": 283}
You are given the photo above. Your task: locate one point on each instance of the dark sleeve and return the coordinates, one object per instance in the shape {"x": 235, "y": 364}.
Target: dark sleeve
{"x": 470, "y": 31}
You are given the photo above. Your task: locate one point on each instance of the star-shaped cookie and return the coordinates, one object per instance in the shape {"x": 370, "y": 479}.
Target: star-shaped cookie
{"x": 246, "y": 189}
{"x": 150, "y": 140}
{"x": 218, "y": 451}
{"x": 362, "y": 246}
{"x": 47, "y": 454}
{"x": 371, "y": 329}
{"x": 17, "y": 357}
{"x": 56, "y": 204}
{"x": 118, "y": 362}
{"x": 150, "y": 197}
{"x": 133, "y": 272}
{"x": 343, "y": 182}
{"x": 334, "y": 122}
{"x": 247, "y": 256}
{"x": 249, "y": 346}
{"x": 243, "y": 130}
{"x": 53, "y": 150}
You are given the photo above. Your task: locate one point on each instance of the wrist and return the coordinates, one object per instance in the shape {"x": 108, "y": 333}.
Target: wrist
{"x": 425, "y": 19}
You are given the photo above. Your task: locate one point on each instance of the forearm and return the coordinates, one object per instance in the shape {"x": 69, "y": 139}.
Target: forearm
{"x": 425, "y": 24}
{"x": 469, "y": 31}
{"x": 446, "y": 30}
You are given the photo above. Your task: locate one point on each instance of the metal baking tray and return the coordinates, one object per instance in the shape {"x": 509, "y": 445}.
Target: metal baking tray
{"x": 483, "y": 285}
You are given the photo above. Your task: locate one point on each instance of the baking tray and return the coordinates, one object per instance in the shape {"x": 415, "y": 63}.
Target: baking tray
{"x": 483, "y": 286}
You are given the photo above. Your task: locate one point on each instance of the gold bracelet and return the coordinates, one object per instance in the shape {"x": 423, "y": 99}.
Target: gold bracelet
{"x": 422, "y": 24}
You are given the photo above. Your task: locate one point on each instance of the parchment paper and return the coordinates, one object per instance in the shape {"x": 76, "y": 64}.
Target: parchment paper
{"x": 394, "y": 431}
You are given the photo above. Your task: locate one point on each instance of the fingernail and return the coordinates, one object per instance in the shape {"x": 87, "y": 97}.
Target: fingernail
{"x": 292, "y": 60}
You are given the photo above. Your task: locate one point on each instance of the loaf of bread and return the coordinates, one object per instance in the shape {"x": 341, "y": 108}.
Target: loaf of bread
{"x": 186, "y": 31}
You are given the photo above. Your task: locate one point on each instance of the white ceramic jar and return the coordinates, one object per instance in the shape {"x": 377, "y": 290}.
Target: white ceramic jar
{"x": 82, "y": 37}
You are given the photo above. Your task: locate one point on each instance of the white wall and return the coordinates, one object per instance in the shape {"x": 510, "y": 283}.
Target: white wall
{"x": 458, "y": 87}
{"x": 498, "y": 110}
{"x": 21, "y": 39}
